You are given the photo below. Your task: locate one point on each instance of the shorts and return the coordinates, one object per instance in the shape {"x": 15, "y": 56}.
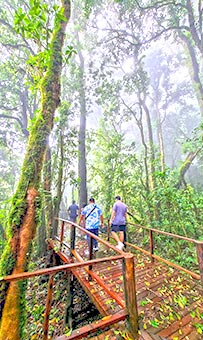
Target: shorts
{"x": 118, "y": 228}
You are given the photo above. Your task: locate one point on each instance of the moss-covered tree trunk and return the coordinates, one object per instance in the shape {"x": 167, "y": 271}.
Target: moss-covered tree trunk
{"x": 48, "y": 202}
{"x": 59, "y": 193}
{"x": 23, "y": 217}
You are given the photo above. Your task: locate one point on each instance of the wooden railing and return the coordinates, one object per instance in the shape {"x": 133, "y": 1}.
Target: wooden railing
{"x": 128, "y": 276}
{"x": 128, "y": 269}
{"x": 198, "y": 245}
{"x": 51, "y": 272}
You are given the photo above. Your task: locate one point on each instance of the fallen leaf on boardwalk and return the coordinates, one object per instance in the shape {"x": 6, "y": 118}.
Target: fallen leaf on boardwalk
{"x": 154, "y": 323}
{"x": 106, "y": 317}
{"x": 68, "y": 333}
{"x": 147, "y": 283}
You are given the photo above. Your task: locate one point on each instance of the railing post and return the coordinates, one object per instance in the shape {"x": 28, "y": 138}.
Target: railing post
{"x": 108, "y": 231}
{"x": 130, "y": 295}
{"x": 48, "y": 307}
{"x": 68, "y": 320}
{"x": 90, "y": 256}
{"x": 62, "y": 234}
{"x": 151, "y": 244}
{"x": 199, "y": 250}
{"x": 72, "y": 239}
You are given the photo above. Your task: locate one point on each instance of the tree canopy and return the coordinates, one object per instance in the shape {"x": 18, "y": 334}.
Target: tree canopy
{"x": 112, "y": 105}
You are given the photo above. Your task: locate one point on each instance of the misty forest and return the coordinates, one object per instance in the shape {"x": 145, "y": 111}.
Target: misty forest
{"x": 97, "y": 99}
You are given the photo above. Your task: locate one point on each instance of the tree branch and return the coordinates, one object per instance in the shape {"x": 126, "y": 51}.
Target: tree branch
{"x": 25, "y": 132}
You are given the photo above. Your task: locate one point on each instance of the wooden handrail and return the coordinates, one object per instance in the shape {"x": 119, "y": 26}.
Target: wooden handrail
{"x": 169, "y": 263}
{"x": 197, "y": 243}
{"x": 52, "y": 270}
{"x": 165, "y": 233}
{"x": 107, "y": 244}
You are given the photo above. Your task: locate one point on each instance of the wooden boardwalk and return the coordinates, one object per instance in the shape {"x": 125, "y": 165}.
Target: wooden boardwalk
{"x": 170, "y": 303}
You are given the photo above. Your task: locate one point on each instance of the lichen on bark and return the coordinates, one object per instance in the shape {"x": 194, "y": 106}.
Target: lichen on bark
{"x": 22, "y": 219}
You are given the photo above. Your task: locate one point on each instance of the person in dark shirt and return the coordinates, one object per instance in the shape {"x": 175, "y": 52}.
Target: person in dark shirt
{"x": 73, "y": 211}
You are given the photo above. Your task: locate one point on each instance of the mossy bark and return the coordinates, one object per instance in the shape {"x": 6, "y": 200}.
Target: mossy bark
{"x": 59, "y": 193}
{"x": 47, "y": 173}
{"x": 23, "y": 215}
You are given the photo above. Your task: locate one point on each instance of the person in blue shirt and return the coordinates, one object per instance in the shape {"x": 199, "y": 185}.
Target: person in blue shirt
{"x": 92, "y": 214}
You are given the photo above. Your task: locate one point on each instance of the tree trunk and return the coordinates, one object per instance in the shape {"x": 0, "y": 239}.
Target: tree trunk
{"x": 57, "y": 199}
{"x": 23, "y": 217}
{"x": 82, "y": 171}
{"x": 48, "y": 204}
{"x": 151, "y": 144}
{"x": 185, "y": 167}
{"x": 196, "y": 77}
{"x": 141, "y": 128}
{"x": 160, "y": 139}
{"x": 41, "y": 236}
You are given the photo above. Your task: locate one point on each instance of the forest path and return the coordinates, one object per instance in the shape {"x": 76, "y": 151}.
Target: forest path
{"x": 170, "y": 303}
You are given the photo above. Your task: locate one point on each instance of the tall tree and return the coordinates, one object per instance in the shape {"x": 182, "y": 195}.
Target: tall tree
{"x": 23, "y": 215}
{"x": 182, "y": 21}
{"x": 82, "y": 169}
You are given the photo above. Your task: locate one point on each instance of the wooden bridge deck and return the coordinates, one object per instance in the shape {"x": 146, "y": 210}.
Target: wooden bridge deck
{"x": 170, "y": 303}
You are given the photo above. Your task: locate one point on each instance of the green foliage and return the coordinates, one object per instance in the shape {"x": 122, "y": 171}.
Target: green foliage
{"x": 32, "y": 24}
{"x": 117, "y": 169}
{"x": 37, "y": 24}
{"x": 38, "y": 64}
{"x": 7, "y": 261}
{"x": 88, "y": 7}
{"x": 68, "y": 53}
{"x": 108, "y": 168}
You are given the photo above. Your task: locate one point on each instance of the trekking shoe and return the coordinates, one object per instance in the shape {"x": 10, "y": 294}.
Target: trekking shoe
{"x": 120, "y": 246}
{"x": 86, "y": 252}
{"x": 95, "y": 249}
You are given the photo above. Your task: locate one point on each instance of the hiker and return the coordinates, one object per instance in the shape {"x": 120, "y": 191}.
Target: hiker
{"x": 118, "y": 222}
{"x": 92, "y": 214}
{"x": 73, "y": 211}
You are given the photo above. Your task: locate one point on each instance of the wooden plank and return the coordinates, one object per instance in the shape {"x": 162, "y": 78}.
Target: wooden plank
{"x": 114, "y": 296}
{"x": 192, "y": 336}
{"x": 97, "y": 302}
{"x": 175, "y": 326}
{"x": 183, "y": 331}
{"x": 88, "y": 329}
{"x": 145, "y": 335}
{"x": 156, "y": 276}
